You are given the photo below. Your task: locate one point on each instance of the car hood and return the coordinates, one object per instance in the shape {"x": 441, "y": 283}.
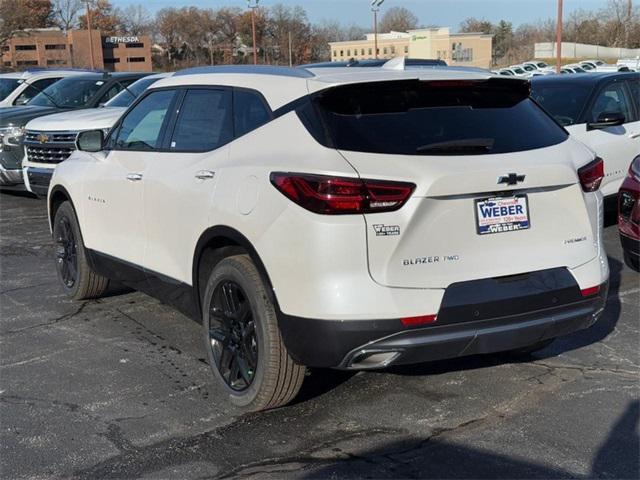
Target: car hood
{"x": 86, "y": 119}
{"x": 19, "y": 116}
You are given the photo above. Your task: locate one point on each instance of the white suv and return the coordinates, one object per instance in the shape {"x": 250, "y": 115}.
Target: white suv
{"x": 349, "y": 218}
{"x": 18, "y": 88}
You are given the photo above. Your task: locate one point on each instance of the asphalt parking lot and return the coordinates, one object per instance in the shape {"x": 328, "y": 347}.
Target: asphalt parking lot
{"x": 119, "y": 388}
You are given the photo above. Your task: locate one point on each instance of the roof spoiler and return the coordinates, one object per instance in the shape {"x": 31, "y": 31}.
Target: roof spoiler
{"x": 397, "y": 63}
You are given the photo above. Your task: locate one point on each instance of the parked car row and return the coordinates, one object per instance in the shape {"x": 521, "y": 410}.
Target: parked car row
{"x": 536, "y": 68}
{"x": 351, "y": 218}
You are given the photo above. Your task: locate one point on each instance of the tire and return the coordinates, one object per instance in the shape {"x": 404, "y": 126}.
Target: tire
{"x": 77, "y": 278}
{"x": 632, "y": 261}
{"x": 526, "y": 351}
{"x": 243, "y": 342}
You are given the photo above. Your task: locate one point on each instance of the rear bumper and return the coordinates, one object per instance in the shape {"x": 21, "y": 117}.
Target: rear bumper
{"x": 38, "y": 180}
{"x": 476, "y": 317}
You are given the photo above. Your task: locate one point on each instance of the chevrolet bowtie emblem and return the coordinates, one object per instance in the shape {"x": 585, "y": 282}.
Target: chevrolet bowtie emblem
{"x": 511, "y": 179}
{"x": 42, "y": 138}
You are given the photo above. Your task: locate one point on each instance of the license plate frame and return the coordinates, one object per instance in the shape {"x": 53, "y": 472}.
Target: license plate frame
{"x": 515, "y": 225}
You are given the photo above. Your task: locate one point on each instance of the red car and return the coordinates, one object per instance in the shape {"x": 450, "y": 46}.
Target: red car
{"x": 629, "y": 215}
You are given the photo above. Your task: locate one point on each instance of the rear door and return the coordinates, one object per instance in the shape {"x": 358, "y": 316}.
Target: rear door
{"x": 496, "y": 186}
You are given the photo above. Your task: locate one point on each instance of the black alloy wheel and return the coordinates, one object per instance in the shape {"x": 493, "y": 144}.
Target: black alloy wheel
{"x": 232, "y": 335}
{"x": 66, "y": 252}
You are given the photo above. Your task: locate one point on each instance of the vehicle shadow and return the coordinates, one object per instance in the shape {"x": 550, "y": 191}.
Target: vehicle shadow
{"x": 434, "y": 457}
{"x": 17, "y": 193}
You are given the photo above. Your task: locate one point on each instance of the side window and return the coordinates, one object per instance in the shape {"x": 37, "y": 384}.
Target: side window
{"x": 249, "y": 112}
{"x": 204, "y": 122}
{"x": 612, "y": 98}
{"x": 115, "y": 89}
{"x": 141, "y": 128}
{"x": 34, "y": 89}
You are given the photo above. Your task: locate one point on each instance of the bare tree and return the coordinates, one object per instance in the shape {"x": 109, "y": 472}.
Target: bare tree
{"x": 66, "y": 13}
{"x": 134, "y": 20}
{"x": 398, "y": 19}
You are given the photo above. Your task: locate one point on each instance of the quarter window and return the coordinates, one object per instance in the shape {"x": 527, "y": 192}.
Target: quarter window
{"x": 33, "y": 89}
{"x": 204, "y": 122}
{"x": 249, "y": 112}
{"x": 141, "y": 128}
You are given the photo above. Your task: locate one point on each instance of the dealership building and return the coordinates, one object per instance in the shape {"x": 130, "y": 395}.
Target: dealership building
{"x": 462, "y": 49}
{"x": 50, "y": 47}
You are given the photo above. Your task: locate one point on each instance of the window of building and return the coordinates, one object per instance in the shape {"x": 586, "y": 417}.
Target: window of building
{"x": 249, "y": 112}
{"x": 25, "y": 47}
{"x": 406, "y": 49}
{"x": 7, "y": 64}
{"x": 135, "y": 59}
{"x": 134, "y": 45}
{"x": 5, "y": 48}
{"x": 58, "y": 46}
{"x": 335, "y": 53}
{"x": 362, "y": 51}
{"x": 384, "y": 50}
{"x": 370, "y": 51}
{"x": 140, "y": 129}
{"x": 393, "y": 50}
{"x": 111, "y": 60}
{"x": 56, "y": 61}
{"x": 348, "y": 53}
{"x": 27, "y": 63}
{"x": 342, "y": 53}
{"x": 204, "y": 122}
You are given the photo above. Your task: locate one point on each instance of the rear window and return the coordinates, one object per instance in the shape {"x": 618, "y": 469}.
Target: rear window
{"x": 565, "y": 102}
{"x": 431, "y": 118}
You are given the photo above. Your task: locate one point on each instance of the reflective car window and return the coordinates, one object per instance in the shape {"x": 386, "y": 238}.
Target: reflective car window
{"x": 563, "y": 102}
{"x": 141, "y": 128}
{"x": 249, "y": 112}
{"x": 33, "y": 89}
{"x": 612, "y": 99}
{"x": 204, "y": 122}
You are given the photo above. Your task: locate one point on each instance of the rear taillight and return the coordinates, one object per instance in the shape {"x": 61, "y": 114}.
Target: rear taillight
{"x": 591, "y": 175}
{"x": 591, "y": 291}
{"x": 342, "y": 195}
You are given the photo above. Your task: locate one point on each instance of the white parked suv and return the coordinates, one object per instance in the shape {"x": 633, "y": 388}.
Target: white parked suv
{"x": 50, "y": 139}
{"x": 348, "y": 218}
{"x": 17, "y": 88}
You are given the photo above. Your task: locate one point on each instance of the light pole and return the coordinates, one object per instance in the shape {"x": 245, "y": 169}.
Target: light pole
{"x": 253, "y": 4}
{"x": 559, "y": 38}
{"x": 375, "y": 8}
{"x": 89, "y": 30}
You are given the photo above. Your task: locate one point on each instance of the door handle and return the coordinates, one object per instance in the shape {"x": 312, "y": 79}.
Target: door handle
{"x": 634, "y": 135}
{"x": 205, "y": 174}
{"x": 134, "y": 177}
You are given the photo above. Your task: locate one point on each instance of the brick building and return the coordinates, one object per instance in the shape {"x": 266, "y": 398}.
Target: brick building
{"x": 50, "y": 47}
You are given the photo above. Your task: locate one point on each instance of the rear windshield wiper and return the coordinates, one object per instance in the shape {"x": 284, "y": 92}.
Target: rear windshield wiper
{"x": 470, "y": 145}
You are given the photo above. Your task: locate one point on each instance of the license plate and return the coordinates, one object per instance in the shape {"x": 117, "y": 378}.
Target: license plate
{"x": 502, "y": 214}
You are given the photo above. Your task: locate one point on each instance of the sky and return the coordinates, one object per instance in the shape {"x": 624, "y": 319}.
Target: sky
{"x": 430, "y": 12}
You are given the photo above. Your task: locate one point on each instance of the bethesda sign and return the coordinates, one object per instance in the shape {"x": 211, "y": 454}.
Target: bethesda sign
{"x": 133, "y": 39}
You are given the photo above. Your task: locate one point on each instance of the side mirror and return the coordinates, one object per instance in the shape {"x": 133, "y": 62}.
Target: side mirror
{"x": 607, "y": 119}
{"x": 90, "y": 141}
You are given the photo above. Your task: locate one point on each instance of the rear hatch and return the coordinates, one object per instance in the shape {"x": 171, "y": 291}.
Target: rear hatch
{"x": 496, "y": 188}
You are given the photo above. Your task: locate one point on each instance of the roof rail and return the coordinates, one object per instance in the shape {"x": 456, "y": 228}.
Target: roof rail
{"x": 248, "y": 69}
{"x": 62, "y": 69}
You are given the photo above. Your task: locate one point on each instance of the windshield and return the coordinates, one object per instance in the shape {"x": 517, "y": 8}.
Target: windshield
{"x": 564, "y": 102}
{"x": 124, "y": 98}
{"x": 579, "y": 70}
{"x": 586, "y": 66}
{"x": 519, "y": 71}
{"x": 8, "y": 85}
{"x": 69, "y": 92}
{"x": 542, "y": 65}
{"x": 528, "y": 68}
{"x": 431, "y": 118}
